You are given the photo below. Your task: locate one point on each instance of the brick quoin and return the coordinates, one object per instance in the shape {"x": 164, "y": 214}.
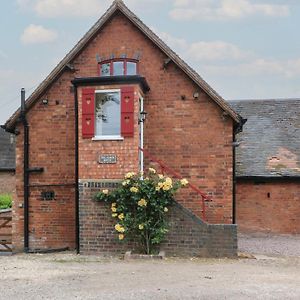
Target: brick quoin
{"x": 270, "y": 207}
{"x": 193, "y": 137}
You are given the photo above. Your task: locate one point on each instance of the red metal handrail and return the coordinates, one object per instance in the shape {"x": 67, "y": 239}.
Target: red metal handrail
{"x": 169, "y": 170}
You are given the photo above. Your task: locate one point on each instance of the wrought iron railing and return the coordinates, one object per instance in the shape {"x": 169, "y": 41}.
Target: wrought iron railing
{"x": 166, "y": 169}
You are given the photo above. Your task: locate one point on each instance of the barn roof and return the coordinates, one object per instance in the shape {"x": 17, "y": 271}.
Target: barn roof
{"x": 119, "y": 6}
{"x": 270, "y": 141}
{"x": 7, "y": 151}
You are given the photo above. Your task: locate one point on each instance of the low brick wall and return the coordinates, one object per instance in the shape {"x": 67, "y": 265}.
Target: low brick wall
{"x": 188, "y": 235}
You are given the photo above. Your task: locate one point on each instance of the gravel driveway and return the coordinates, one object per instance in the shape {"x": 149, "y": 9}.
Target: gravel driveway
{"x": 68, "y": 276}
{"x": 270, "y": 244}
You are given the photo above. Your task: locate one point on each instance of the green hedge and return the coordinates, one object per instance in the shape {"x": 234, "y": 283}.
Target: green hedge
{"x": 5, "y": 201}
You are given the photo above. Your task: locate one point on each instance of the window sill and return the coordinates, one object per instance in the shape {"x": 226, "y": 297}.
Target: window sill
{"x": 108, "y": 138}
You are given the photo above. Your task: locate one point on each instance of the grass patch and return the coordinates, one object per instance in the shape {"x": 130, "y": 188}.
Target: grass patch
{"x": 5, "y": 201}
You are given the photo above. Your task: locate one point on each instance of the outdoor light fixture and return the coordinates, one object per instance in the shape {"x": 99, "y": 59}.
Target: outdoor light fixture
{"x": 196, "y": 95}
{"x": 45, "y": 101}
{"x": 166, "y": 62}
{"x": 142, "y": 118}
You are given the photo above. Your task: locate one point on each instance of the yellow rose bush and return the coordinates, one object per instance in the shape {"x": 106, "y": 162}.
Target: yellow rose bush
{"x": 140, "y": 206}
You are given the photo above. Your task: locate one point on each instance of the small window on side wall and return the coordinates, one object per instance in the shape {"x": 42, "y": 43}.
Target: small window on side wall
{"x": 119, "y": 67}
{"x": 105, "y": 69}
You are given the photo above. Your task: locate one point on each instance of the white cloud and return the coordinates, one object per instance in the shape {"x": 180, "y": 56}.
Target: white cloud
{"x": 205, "y": 50}
{"x": 64, "y": 8}
{"x": 36, "y": 34}
{"x": 219, "y": 57}
{"x": 79, "y": 8}
{"x": 260, "y": 66}
{"x": 224, "y": 9}
{"x": 58, "y": 8}
{"x": 215, "y": 50}
{"x": 3, "y": 55}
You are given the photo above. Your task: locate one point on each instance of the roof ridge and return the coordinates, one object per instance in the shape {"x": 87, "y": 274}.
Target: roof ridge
{"x": 264, "y": 100}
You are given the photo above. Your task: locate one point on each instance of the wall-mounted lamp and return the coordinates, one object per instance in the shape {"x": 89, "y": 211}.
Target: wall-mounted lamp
{"x": 142, "y": 117}
{"x": 167, "y": 61}
{"x": 45, "y": 101}
{"x": 196, "y": 95}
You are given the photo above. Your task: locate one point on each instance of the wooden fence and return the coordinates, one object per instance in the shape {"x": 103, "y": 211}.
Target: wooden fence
{"x": 5, "y": 232}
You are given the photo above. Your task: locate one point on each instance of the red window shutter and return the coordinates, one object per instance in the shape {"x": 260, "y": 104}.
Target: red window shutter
{"x": 127, "y": 111}
{"x": 88, "y": 113}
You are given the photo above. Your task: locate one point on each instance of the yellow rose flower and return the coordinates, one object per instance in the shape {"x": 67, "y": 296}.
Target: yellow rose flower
{"x": 119, "y": 228}
{"x": 114, "y": 204}
{"x": 121, "y": 216}
{"x": 151, "y": 170}
{"x": 134, "y": 189}
{"x": 129, "y": 175}
{"x": 113, "y": 209}
{"x": 105, "y": 192}
{"x": 160, "y": 176}
{"x": 184, "y": 182}
{"x": 114, "y": 215}
{"x": 141, "y": 226}
{"x": 169, "y": 181}
{"x": 142, "y": 203}
{"x": 126, "y": 182}
{"x": 166, "y": 209}
{"x": 121, "y": 237}
{"x": 167, "y": 187}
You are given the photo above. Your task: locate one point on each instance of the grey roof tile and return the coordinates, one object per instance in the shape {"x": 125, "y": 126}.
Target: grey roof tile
{"x": 270, "y": 141}
{"x": 7, "y": 150}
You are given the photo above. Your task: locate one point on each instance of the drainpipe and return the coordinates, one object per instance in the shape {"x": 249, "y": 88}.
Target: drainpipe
{"x": 142, "y": 135}
{"x": 76, "y": 172}
{"x": 234, "y": 178}
{"x": 25, "y": 171}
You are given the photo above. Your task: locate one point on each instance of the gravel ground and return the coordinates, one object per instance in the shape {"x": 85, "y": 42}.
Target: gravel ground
{"x": 270, "y": 244}
{"x": 68, "y": 276}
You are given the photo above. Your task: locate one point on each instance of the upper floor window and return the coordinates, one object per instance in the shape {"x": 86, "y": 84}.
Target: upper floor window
{"x": 118, "y": 67}
{"x": 108, "y": 113}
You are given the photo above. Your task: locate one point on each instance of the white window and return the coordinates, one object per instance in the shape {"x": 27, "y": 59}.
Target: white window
{"x": 107, "y": 114}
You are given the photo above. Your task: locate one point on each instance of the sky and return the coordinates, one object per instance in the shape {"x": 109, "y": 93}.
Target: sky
{"x": 245, "y": 49}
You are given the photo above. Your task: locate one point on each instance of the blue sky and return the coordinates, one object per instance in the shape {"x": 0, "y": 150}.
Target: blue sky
{"x": 243, "y": 48}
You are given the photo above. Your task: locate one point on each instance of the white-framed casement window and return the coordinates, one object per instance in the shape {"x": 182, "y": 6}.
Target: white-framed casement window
{"x": 108, "y": 115}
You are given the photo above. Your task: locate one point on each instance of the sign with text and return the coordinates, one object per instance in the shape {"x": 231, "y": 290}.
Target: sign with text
{"x": 107, "y": 159}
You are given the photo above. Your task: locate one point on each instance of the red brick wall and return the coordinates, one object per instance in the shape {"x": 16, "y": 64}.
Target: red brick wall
{"x": 51, "y": 138}
{"x": 271, "y": 207}
{"x": 7, "y": 182}
{"x": 192, "y": 136}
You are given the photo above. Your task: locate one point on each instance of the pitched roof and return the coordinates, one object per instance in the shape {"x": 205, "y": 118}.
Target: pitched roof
{"x": 118, "y": 5}
{"x": 270, "y": 141}
{"x": 7, "y": 151}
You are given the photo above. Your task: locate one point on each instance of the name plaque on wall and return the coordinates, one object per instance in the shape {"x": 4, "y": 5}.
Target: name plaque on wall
{"x": 107, "y": 159}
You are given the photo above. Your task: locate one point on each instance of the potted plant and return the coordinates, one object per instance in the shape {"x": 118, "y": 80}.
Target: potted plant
{"x": 140, "y": 207}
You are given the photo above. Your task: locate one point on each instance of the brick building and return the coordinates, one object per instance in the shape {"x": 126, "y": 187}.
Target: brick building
{"x": 268, "y": 166}
{"x": 7, "y": 162}
{"x": 84, "y": 127}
